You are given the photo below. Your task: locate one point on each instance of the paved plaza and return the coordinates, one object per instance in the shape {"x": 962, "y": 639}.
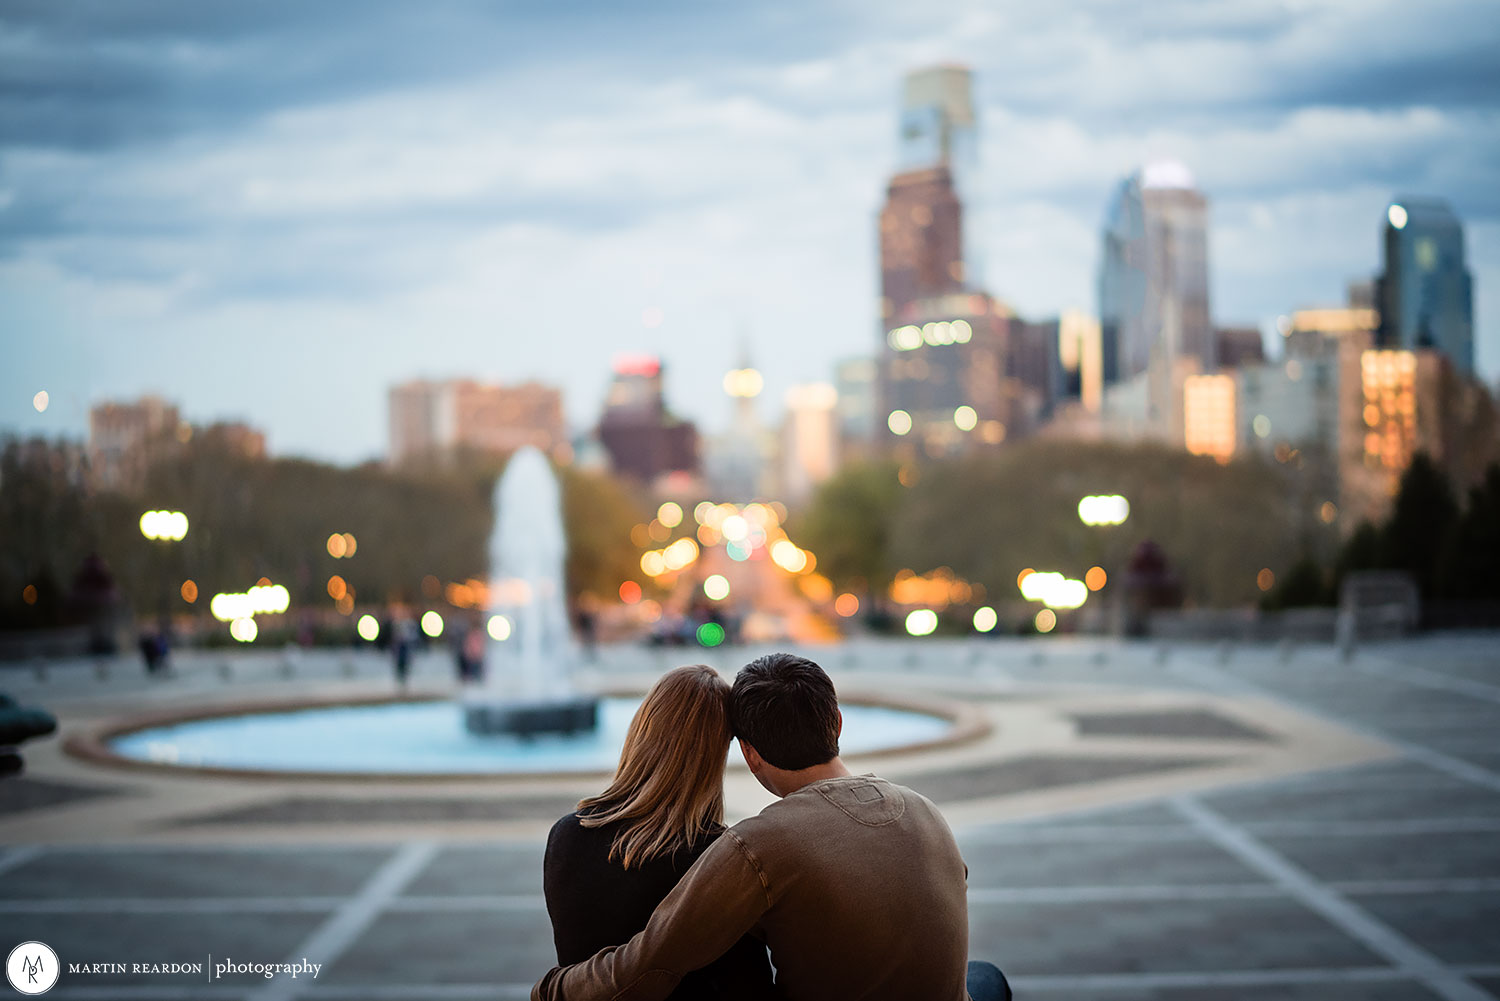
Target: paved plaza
{"x": 1146, "y": 823}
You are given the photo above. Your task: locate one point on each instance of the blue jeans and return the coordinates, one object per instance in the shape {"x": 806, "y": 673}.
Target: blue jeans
{"x": 987, "y": 983}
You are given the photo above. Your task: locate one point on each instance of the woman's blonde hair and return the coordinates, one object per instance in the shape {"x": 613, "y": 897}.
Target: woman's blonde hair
{"x": 669, "y": 788}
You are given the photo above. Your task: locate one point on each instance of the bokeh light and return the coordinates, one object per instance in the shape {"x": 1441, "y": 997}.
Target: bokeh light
{"x": 846, "y": 604}
{"x": 337, "y": 587}
{"x": 985, "y": 619}
{"x": 921, "y": 622}
{"x": 368, "y": 628}
{"x": 630, "y": 592}
{"x": 169, "y": 526}
{"x": 670, "y": 514}
{"x": 965, "y": 418}
{"x": 350, "y": 544}
{"x": 1046, "y": 620}
{"x": 1105, "y": 509}
{"x": 40, "y": 401}
{"x": 244, "y": 630}
{"x": 432, "y": 624}
{"x": 786, "y": 555}
{"x": 710, "y": 634}
{"x": 899, "y": 422}
{"x": 337, "y": 546}
{"x": 28, "y": 594}
{"x": 1266, "y": 579}
{"x": 189, "y": 591}
{"x": 499, "y": 628}
{"x": 735, "y": 528}
{"x": 716, "y": 587}
{"x": 1096, "y": 578}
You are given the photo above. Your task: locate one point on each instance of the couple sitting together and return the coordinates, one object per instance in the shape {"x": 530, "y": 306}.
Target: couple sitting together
{"x": 853, "y": 884}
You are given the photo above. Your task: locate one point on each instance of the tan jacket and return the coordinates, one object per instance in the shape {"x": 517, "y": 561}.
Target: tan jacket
{"x": 855, "y": 884}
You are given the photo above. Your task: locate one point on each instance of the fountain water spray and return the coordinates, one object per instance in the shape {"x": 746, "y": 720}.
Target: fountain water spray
{"x": 527, "y": 687}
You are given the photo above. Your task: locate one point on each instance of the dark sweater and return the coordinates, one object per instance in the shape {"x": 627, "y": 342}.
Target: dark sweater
{"x": 596, "y": 903}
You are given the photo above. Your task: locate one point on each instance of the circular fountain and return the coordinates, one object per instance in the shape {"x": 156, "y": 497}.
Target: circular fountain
{"x": 525, "y": 717}
{"x": 526, "y": 686}
{"x": 426, "y": 739}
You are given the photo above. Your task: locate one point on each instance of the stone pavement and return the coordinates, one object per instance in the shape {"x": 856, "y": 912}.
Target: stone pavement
{"x": 1376, "y": 879}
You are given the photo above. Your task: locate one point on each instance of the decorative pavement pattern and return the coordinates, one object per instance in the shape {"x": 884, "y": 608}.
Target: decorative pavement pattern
{"x": 1376, "y": 880}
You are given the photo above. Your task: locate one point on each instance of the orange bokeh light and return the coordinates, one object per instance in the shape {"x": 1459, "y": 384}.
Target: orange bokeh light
{"x": 630, "y": 592}
{"x": 189, "y": 591}
{"x": 1096, "y": 578}
{"x": 337, "y": 587}
{"x": 846, "y": 604}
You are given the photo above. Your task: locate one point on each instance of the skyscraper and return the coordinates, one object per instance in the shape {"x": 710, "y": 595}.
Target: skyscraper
{"x": 921, "y": 240}
{"x": 1153, "y": 278}
{"x": 1425, "y": 292}
{"x": 942, "y": 366}
{"x": 643, "y": 438}
{"x": 939, "y": 129}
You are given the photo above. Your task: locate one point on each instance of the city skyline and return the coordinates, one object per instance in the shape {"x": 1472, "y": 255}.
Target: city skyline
{"x": 284, "y": 252}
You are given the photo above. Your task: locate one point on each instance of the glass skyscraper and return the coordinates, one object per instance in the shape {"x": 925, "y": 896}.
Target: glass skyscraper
{"x": 1425, "y": 292}
{"x": 1153, "y": 276}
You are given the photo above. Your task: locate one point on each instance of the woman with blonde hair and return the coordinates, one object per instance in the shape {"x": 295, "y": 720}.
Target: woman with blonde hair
{"x": 612, "y": 861}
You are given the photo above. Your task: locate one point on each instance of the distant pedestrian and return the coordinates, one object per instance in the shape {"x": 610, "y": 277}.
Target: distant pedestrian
{"x": 588, "y": 625}
{"x": 403, "y": 639}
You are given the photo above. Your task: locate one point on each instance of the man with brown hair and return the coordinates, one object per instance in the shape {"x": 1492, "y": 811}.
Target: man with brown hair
{"x": 855, "y": 883}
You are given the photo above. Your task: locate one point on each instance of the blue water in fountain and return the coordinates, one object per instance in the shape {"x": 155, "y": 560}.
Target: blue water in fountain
{"x": 430, "y": 738}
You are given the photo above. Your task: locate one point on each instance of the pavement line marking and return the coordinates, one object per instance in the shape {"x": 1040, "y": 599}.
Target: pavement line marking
{"x": 336, "y": 934}
{"x": 1086, "y": 983}
{"x": 1422, "y": 677}
{"x": 1456, "y": 767}
{"x": 511, "y": 903}
{"x": 1353, "y": 920}
{"x": 470, "y": 902}
{"x": 171, "y": 905}
{"x": 1382, "y": 887}
{"x": 1149, "y": 834}
{"x": 17, "y": 857}
{"x": 1071, "y": 894}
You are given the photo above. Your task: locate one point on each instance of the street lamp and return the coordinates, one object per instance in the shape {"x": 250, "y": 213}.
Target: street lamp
{"x": 161, "y": 526}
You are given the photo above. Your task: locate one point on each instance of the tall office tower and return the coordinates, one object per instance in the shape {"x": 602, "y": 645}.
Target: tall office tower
{"x": 1425, "y": 292}
{"x": 1034, "y": 366}
{"x": 433, "y": 420}
{"x": 1153, "y": 278}
{"x": 645, "y": 440}
{"x": 939, "y": 129}
{"x": 1081, "y": 352}
{"x": 854, "y": 383}
{"x": 809, "y": 439}
{"x": 736, "y": 463}
{"x": 921, "y": 241}
{"x": 1236, "y": 347}
{"x": 943, "y": 382}
{"x": 127, "y": 438}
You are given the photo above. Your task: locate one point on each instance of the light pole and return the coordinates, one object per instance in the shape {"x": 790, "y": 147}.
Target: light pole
{"x": 1102, "y": 511}
{"x": 164, "y": 527}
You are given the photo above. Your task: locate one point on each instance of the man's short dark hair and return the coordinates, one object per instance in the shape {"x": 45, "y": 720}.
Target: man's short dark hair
{"x": 785, "y": 707}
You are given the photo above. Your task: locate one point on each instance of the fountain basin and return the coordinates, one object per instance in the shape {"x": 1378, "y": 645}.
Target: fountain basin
{"x": 424, "y": 738}
{"x": 567, "y": 716}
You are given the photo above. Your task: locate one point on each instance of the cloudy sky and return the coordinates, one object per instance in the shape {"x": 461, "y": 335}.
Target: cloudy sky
{"x": 272, "y": 211}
